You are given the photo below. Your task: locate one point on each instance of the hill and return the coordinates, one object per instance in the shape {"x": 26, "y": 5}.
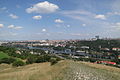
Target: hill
{"x": 64, "y": 70}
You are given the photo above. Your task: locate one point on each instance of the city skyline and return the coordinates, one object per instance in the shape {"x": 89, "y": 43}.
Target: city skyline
{"x": 59, "y": 19}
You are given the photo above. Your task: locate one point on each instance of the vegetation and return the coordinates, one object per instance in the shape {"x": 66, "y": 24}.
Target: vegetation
{"x": 3, "y": 55}
{"x": 18, "y": 63}
{"x": 59, "y": 48}
{"x": 42, "y": 58}
{"x": 30, "y": 60}
{"x": 16, "y": 58}
{"x": 94, "y": 45}
{"x": 53, "y": 61}
{"x": 7, "y": 60}
{"x": 11, "y": 51}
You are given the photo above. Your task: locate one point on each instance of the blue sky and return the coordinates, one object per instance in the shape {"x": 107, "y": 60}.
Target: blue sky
{"x": 59, "y": 19}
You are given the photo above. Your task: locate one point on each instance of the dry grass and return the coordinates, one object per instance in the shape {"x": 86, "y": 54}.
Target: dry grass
{"x": 41, "y": 71}
{"x": 100, "y": 66}
{"x": 64, "y": 70}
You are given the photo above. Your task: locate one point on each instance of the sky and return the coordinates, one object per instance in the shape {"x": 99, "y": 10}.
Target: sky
{"x": 59, "y": 19}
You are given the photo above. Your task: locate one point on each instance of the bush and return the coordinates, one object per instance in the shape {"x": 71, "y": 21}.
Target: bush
{"x": 44, "y": 58}
{"x": 31, "y": 60}
{"x": 18, "y": 63}
{"x": 40, "y": 59}
{"x": 58, "y": 59}
{"x": 93, "y": 60}
{"x": 53, "y": 61}
{"x": 7, "y": 60}
{"x": 47, "y": 58}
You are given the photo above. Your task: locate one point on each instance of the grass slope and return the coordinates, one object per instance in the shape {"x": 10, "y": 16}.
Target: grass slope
{"x": 89, "y": 71}
{"x": 3, "y": 55}
{"x": 41, "y": 71}
{"x": 64, "y": 70}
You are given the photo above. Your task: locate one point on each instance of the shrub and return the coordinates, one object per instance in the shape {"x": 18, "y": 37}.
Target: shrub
{"x": 30, "y": 60}
{"x": 93, "y": 60}
{"x": 18, "y": 63}
{"x": 44, "y": 58}
{"x": 40, "y": 59}
{"x": 7, "y": 60}
{"x": 53, "y": 61}
{"x": 58, "y": 59}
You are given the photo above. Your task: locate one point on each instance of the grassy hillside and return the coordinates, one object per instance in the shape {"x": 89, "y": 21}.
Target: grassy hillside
{"x": 41, "y": 71}
{"x": 64, "y": 70}
{"x": 3, "y": 55}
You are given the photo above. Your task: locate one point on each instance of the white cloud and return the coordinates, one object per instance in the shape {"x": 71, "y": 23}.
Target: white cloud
{"x": 43, "y": 7}
{"x": 78, "y": 34}
{"x": 14, "y": 27}
{"x": 3, "y": 8}
{"x": 1, "y": 25}
{"x": 13, "y": 16}
{"x": 7, "y": 34}
{"x": 88, "y": 18}
{"x": 13, "y": 34}
{"x": 82, "y": 15}
{"x": 116, "y": 6}
{"x": 44, "y": 30}
{"x": 68, "y": 25}
{"x": 59, "y": 21}
{"x": 11, "y": 26}
{"x": 113, "y": 13}
{"x": 76, "y": 12}
{"x": 83, "y": 24}
{"x": 18, "y": 27}
{"x": 118, "y": 23}
{"x": 38, "y": 17}
{"x": 116, "y": 26}
{"x": 100, "y": 16}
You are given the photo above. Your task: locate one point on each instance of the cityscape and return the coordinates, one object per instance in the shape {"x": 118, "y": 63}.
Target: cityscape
{"x": 59, "y": 40}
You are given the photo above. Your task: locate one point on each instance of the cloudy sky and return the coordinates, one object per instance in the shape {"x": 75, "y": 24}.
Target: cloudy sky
{"x": 59, "y": 19}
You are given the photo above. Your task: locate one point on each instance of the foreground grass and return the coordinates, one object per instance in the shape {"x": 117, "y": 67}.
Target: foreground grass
{"x": 89, "y": 71}
{"x": 41, "y": 71}
{"x": 64, "y": 70}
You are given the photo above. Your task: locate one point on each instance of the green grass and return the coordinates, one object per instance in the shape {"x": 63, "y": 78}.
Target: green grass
{"x": 3, "y": 55}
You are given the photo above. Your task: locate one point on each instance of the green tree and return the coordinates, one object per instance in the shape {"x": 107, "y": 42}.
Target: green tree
{"x": 7, "y": 60}
{"x": 53, "y": 61}
{"x": 31, "y": 59}
{"x": 18, "y": 63}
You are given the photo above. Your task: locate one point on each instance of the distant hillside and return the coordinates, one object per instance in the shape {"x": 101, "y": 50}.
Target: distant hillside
{"x": 64, "y": 70}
